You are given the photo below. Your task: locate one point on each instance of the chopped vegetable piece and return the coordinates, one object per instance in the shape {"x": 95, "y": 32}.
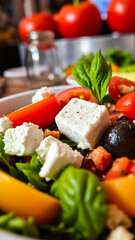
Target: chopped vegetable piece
{"x": 55, "y": 134}
{"x": 26, "y": 201}
{"x": 119, "y": 168}
{"x": 121, "y": 191}
{"x": 101, "y": 158}
{"x": 41, "y": 113}
{"x": 126, "y": 105}
{"x": 119, "y": 86}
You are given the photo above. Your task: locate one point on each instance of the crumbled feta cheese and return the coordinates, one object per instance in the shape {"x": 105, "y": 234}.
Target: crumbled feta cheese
{"x": 55, "y": 156}
{"x": 117, "y": 217}
{"x": 23, "y": 140}
{"x": 5, "y": 123}
{"x": 83, "y": 122}
{"x": 120, "y": 233}
{"x": 42, "y": 93}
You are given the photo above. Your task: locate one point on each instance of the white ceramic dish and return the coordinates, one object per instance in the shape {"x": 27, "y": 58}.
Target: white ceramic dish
{"x": 7, "y": 105}
{"x": 19, "y": 74}
{"x": 71, "y": 81}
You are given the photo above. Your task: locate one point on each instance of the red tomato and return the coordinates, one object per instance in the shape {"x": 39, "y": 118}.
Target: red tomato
{"x": 41, "y": 113}
{"x": 121, "y": 16}
{"x": 37, "y": 22}
{"x": 119, "y": 168}
{"x": 76, "y": 92}
{"x": 119, "y": 86}
{"x": 78, "y": 20}
{"x": 126, "y": 105}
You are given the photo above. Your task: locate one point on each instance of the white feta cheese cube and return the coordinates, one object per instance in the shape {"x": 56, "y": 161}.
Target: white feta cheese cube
{"x": 23, "y": 140}
{"x": 5, "y": 123}
{"x": 42, "y": 93}
{"x": 120, "y": 233}
{"x": 83, "y": 122}
{"x": 55, "y": 156}
{"x": 117, "y": 217}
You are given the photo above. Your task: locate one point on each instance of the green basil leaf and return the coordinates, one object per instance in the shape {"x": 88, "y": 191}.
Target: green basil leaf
{"x": 95, "y": 76}
{"x": 100, "y": 74}
{"x": 83, "y": 201}
{"x": 81, "y": 73}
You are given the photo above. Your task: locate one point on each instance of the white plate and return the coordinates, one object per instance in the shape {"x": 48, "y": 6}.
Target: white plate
{"x": 71, "y": 81}
{"x": 19, "y": 72}
{"x": 7, "y": 105}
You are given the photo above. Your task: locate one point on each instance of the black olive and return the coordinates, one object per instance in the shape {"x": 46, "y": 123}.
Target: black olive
{"x": 119, "y": 139}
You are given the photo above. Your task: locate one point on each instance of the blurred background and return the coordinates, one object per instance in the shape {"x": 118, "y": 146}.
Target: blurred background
{"x": 12, "y": 44}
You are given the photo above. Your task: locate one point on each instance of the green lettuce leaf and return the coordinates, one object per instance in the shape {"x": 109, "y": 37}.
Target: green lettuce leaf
{"x": 3, "y": 156}
{"x": 31, "y": 171}
{"x": 19, "y": 225}
{"x": 83, "y": 201}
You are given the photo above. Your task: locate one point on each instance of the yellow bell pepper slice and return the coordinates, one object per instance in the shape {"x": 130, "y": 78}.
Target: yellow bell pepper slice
{"x": 121, "y": 191}
{"x": 26, "y": 201}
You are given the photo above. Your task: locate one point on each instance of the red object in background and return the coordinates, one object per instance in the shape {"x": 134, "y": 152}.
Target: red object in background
{"x": 37, "y": 22}
{"x": 76, "y": 92}
{"x": 121, "y": 16}
{"x": 78, "y": 20}
{"x": 119, "y": 86}
{"x": 126, "y": 105}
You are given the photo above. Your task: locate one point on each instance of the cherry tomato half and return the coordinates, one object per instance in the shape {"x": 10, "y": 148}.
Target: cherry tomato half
{"x": 76, "y": 92}
{"x": 119, "y": 86}
{"x": 126, "y": 105}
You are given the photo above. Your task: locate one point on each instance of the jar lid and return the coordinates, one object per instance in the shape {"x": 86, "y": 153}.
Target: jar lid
{"x": 46, "y": 36}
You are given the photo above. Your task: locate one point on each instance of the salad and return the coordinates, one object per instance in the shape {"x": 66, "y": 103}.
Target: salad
{"x": 67, "y": 167}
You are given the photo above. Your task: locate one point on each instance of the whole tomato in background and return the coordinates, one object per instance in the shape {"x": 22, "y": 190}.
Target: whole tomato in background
{"x": 37, "y": 22}
{"x": 82, "y": 19}
{"x": 121, "y": 16}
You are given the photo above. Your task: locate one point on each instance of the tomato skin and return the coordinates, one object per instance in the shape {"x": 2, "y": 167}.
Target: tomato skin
{"x": 41, "y": 113}
{"x": 121, "y": 16}
{"x": 37, "y": 22}
{"x": 78, "y": 20}
{"x": 126, "y": 105}
{"x": 76, "y": 92}
{"x": 115, "y": 84}
{"x": 119, "y": 168}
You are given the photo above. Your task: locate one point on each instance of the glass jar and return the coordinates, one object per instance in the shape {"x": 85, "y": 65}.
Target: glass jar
{"x": 43, "y": 62}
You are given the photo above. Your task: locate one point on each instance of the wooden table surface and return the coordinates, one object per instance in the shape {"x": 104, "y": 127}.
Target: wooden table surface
{"x": 9, "y": 86}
